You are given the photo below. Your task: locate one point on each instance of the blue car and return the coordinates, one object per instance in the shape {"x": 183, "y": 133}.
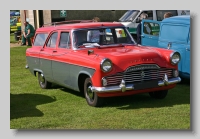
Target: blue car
{"x": 170, "y": 33}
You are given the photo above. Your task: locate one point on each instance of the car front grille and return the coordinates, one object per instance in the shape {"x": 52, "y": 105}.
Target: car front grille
{"x": 137, "y": 76}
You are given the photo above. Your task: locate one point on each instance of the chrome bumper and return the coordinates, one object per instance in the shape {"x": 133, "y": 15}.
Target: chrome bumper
{"x": 124, "y": 87}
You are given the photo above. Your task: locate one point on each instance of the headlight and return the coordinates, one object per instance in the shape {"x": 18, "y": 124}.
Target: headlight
{"x": 106, "y": 65}
{"x": 175, "y": 58}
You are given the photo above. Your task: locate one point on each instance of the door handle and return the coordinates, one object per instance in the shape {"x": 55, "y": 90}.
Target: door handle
{"x": 142, "y": 36}
{"x": 54, "y": 50}
{"x": 187, "y": 49}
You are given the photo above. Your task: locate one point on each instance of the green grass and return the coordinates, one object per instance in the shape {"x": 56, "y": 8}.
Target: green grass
{"x": 60, "y": 108}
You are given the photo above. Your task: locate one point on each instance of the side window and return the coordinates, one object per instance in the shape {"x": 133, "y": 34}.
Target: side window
{"x": 160, "y": 13}
{"x": 65, "y": 40}
{"x": 150, "y": 14}
{"x": 151, "y": 28}
{"x": 52, "y": 40}
{"x": 40, "y": 39}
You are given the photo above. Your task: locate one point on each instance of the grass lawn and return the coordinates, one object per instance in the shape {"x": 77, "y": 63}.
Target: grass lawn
{"x": 60, "y": 108}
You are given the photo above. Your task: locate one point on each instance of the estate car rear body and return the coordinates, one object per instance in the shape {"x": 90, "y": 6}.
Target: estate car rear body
{"x": 106, "y": 65}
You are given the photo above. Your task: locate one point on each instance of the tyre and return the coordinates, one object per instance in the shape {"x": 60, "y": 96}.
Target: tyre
{"x": 159, "y": 94}
{"x": 91, "y": 97}
{"x": 44, "y": 84}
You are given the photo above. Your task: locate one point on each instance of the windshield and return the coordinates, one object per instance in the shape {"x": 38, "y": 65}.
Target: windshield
{"x": 129, "y": 15}
{"x": 101, "y": 36}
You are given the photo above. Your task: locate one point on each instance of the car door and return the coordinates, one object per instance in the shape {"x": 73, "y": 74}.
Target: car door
{"x": 34, "y": 52}
{"x": 46, "y": 56}
{"x": 175, "y": 37}
{"x": 150, "y": 32}
{"x": 61, "y": 59}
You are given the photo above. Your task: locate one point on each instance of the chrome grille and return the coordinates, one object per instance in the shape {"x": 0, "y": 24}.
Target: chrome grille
{"x": 139, "y": 76}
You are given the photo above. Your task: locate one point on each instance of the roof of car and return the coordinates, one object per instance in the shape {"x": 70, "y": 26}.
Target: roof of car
{"x": 80, "y": 25}
{"x": 178, "y": 19}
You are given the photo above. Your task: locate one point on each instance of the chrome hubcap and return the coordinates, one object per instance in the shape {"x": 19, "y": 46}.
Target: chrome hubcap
{"x": 89, "y": 92}
{"x": 42, "y": 80}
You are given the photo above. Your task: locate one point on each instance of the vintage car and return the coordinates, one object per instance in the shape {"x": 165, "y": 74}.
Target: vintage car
{"x": 171, "y": 33}
{"x": 100, "y": 59}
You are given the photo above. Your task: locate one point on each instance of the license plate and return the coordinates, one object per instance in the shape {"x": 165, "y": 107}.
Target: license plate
{"x": 145, "y": 85}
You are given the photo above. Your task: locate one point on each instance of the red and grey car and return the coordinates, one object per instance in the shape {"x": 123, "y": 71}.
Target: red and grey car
{"x": 100, "y": 59}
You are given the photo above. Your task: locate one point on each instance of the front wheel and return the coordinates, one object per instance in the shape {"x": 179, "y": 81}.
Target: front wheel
{"x": 44, "y": 84}
{"x": 159, "y": 94}
{"x": 91, "y": 97}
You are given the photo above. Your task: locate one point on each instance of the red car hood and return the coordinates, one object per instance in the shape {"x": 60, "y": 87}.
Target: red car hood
{"x": 124, "y": 57}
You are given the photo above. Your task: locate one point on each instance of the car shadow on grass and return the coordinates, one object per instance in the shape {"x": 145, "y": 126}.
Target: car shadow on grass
{"x": 24, "y": 105}
{"x": 176, "y": 96}
{"x": 79, "y": 94}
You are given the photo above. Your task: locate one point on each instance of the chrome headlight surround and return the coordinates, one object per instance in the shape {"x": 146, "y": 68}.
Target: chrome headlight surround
{"x": 106, "y": 65}
{"x": 175, "y": 58}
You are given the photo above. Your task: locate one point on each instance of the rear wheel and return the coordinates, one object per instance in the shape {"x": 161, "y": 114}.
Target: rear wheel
{"x": 91, "y": 97}
{"x": 159, "y": 94}
{"x": 44, "y": 84}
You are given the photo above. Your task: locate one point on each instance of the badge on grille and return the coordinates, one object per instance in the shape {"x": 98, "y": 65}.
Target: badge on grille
{"x": 142, "y": 74}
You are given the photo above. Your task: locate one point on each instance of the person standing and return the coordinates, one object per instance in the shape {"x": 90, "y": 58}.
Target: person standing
{"x": 142, "y": 16}
{"x": 96, "y": 19}
{"x": 28, "y": 33}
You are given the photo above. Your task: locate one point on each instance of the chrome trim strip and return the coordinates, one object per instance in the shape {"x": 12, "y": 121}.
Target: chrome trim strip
{"x": 142, "y": 67}
{"x": 122, "y": 87}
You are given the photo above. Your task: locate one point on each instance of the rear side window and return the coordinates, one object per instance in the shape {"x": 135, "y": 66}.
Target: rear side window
{"x": 40, "y": 39}
{"x": 175, "y": 33}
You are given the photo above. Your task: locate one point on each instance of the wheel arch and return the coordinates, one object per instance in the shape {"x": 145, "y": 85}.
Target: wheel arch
{"x": 81, "y": 79}
{"x": 37, "y": 70}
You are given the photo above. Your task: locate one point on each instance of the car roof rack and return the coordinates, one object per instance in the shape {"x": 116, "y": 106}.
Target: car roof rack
{"x": 66, "y": 22}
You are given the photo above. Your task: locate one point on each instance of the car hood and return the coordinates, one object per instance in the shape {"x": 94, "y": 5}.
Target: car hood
{"x": 131, "y": 55}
